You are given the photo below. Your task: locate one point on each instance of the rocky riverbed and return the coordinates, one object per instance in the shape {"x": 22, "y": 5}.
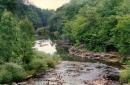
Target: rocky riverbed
{"x": 78, "y": 73}
{"x": 85, "y": 55}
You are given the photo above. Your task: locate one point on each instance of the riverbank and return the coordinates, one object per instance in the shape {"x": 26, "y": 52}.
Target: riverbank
{"x": 40, "y": 63}
{"x": 107, "y": 57}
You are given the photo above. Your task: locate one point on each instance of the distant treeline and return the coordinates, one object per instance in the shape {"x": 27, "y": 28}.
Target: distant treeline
{"x": 38, "y": 16}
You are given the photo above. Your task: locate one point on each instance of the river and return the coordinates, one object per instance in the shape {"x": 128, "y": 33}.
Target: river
{"x": 45, "y": 46}
{"x": 73, "y": 72}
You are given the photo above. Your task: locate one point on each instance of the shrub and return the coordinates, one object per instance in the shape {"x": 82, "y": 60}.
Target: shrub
{"x": 11, "y": 72}
{"x": 38, "y": 65}
{"x": 5, "y": 76}
{"x": 52, "y": 61}
{"x": 56, "y": 58}
{"x": 125, "y": 75}
{"x": 42, "y": 61}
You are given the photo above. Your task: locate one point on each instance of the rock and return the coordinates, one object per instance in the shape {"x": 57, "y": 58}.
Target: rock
{"x": 113, "y": 58}
{"x": 111, "y": 73}
{"x": 125, "y": 84}
{"x": 14, "y": 83}
{"x": 78, "y": 73}
{"x": 101, "y": 81}
{"x": 22, "y": 83}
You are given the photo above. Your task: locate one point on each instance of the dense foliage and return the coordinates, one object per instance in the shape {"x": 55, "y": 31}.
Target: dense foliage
{"x": 17, "y": 30}
{"x": 39, "y": 17}
{"x": 15, "y": 44}
{"x": 98, "y": 25}
{"x": 101, "y": 25}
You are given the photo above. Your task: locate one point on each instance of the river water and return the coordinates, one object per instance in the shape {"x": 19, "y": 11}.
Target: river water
{"x": 45, "y": 46}
{"x": 75, "y": 73}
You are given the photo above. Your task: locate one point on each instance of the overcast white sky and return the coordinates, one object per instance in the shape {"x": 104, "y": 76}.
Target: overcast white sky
{"x": 48, "y": 4}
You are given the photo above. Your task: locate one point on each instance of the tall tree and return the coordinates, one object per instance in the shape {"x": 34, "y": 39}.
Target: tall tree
{"x": 26, "y": 39}
{"x": 121, "y": 35}
{"x": 9, "y": 34}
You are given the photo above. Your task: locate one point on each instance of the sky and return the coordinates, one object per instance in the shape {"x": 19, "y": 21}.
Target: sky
{"x": 49, "y": 4}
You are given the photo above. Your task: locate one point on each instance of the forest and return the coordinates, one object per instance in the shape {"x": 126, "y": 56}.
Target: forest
{"x": 101, "y": 26}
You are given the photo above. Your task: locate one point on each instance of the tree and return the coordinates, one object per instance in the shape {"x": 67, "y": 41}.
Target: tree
{"x": 121, "y": 34}
{"x": 74, "y": 28}
{"x": 26, "y": 39}
{"x": 9, "y": 34}
{"x": 8, "y": 4}
{"x": 91, "y": 22}
{"x": 16, "y": 39}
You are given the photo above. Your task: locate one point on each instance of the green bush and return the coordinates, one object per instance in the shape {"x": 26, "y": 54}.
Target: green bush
{"x": 56, "y": 58}
{"x": 42, "y": 61}
{"x": 5, "y": 76}
{"x": 38, "y": 65}
{"x": 11, "y": 72}
{"x": 125, "y": 75}
{"x": 50, "y": 62}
